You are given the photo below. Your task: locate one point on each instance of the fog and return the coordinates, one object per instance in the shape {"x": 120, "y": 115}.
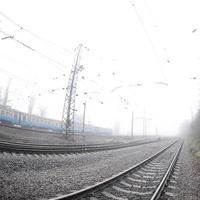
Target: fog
{"x": 138, "y": 56}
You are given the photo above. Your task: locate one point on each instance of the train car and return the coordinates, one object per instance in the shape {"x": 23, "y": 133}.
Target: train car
{"x": 17, "y": 118}
{"x": 91, "y": 129}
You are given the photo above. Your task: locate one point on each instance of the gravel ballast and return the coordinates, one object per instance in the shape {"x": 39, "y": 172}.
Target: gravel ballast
{"x": 187, "y": 178}
{"x": 46, "y": 176}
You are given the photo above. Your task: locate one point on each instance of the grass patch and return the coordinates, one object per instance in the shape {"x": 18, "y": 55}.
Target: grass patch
{"x": 197, "y": 154}
{"x": 195, "y": 145}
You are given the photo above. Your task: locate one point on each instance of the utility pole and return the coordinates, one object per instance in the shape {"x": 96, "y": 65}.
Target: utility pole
{"x": 69, "y": 102}
{"x": 144, "y": 123}
{"x": 84, "y": 109}
{"x": 132, "y": 122}
{"x": 145, "y": 119}
{"x": 191, "y": 113}
{"x": 156, "y": 131}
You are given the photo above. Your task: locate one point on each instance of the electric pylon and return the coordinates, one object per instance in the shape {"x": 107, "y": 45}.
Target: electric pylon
{"x": 69, "y": 102}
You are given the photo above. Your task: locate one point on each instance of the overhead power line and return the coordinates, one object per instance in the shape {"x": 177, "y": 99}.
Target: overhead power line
{"x": 8, "y": 36}
{"x": 148, "y": 38}
{"x": 12, "y": 75}
{"x": 34, "y": 34}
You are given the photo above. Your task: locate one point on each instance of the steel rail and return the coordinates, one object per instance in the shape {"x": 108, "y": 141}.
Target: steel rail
{"x": 165, "y": 178}
{"x": 109, "y": 181}
{"x": 62, "y": 145}
{"x": 55, "y": 149}
{"x": 78, "y": 145}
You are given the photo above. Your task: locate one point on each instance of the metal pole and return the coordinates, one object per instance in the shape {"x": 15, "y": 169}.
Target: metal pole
{"x": 145, "y": 125}
{"x": 144, "y": 119}
{"x": 84, "y": 108}
{"x": 67, "y": 116}
{"x": 132, "y": 121}
{"x": 191, "y": 113}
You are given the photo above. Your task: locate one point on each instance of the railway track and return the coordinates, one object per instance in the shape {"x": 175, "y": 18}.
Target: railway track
{"x": 61, "y": 149}
{"x": 145, "y": 180}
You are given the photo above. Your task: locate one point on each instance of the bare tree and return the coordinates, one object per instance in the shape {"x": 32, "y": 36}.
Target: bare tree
{"x": 5, "y": 100}
{"x": 31, "y": 104}
{"x": 43, "y": 111}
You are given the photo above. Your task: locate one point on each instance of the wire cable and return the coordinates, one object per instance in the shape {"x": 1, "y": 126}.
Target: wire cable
{"x": 8, "y": 36}
{"x": 149, "y": 38}
{"x": 34, "y": 34}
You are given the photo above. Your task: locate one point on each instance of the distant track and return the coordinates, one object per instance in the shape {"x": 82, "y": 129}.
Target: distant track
{"x": 61, "y": 149}
{"x": 145, "y": 180}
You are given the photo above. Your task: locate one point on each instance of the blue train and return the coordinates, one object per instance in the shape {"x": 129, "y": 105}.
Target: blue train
{"x": 15, "y": 117}
{"x": 21, "y": 119}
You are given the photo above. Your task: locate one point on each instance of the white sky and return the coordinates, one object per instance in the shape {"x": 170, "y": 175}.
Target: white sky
{"x": 146, "y": 43}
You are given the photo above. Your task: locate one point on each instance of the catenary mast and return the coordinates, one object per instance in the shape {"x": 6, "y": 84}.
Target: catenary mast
{"x": 69, "y": 102}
